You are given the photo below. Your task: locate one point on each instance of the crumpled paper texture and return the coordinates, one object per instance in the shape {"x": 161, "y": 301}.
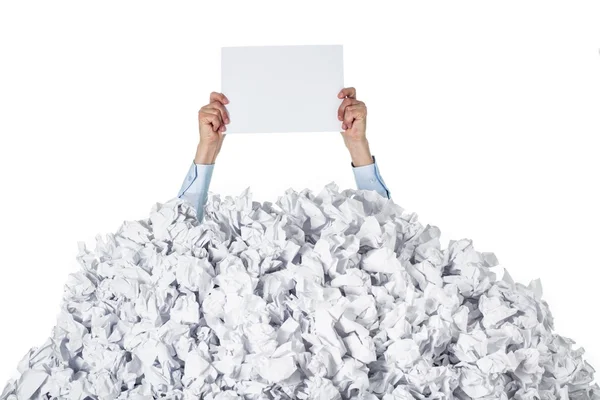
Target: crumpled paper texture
{"x": 335, "y": 295}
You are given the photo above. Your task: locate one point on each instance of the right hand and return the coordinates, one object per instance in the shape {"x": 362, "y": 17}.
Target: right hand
{"x": 212, "y": 119}
{"x": 353, "y": 113}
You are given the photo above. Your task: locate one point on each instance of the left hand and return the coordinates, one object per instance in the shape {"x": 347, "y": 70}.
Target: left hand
{"x": 353, "y": 114}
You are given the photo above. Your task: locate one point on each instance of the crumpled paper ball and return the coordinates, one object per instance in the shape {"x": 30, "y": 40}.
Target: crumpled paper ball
{"x": 335, "y": 295}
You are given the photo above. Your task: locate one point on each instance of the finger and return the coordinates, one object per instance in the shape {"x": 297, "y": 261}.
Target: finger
{"x": 216, "y": 96}
{"x": 211, "y": 116}
{"x": 347, "y": 102}
{"x": 347, "y": 92}
{"x": 219, "y": 106}
{"x": 209, "y": 109}
{"x": 352, "y": 113}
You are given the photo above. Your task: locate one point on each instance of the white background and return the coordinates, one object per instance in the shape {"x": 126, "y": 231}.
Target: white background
{"x": 483, "y": 116}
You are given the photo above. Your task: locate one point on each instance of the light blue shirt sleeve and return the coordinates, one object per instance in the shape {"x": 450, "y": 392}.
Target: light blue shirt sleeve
{"x": 197, "y": 181}
{"x": 195, "y": 186}
{"x": 368, "y": 177}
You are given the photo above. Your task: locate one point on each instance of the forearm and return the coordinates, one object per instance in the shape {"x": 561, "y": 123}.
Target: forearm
{"x": 360, "y": 153}
{"x": 205, "y": 154}
{"x": 195, "y": 186}
{"x": 365, "y": 168}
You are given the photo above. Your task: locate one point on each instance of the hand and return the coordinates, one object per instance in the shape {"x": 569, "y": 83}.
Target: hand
{"x": 212, "y": 119}
{"x": 353, "y": 114}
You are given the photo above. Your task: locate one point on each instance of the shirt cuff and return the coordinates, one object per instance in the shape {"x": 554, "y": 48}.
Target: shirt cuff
{"x": 368, "y": 177}
{"x": 197, "y": 179}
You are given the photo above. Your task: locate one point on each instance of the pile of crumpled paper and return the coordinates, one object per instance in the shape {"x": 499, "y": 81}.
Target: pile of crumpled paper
{"x": 335, "y": 295}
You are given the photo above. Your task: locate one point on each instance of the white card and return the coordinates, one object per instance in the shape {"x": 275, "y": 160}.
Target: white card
{"x": 282, "y": 88}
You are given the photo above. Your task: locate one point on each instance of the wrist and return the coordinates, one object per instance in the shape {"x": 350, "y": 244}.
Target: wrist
{"x": 205, "y": 154}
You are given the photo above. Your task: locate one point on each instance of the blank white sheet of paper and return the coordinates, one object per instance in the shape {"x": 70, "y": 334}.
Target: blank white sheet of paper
{"x": 282, "y": 88}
